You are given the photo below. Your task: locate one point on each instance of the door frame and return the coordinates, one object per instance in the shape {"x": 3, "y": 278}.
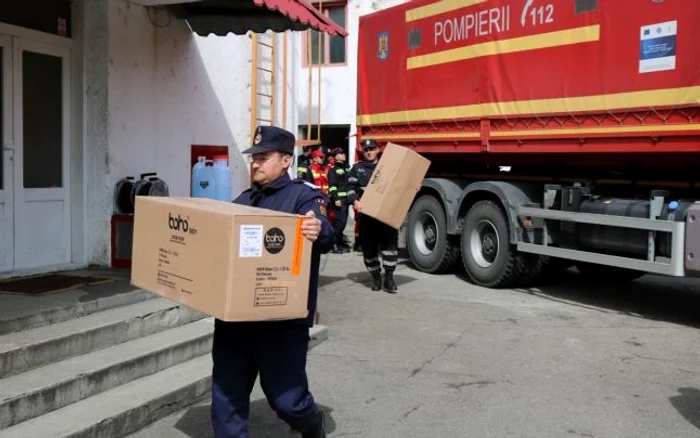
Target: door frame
{"x": 7, "y": 193}
{"x": 24, "y": 195}
{"x": 78, "y": 133}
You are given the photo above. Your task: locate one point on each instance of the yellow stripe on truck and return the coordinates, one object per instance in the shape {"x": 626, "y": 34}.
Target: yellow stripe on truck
{"x": 578, "y": 35}
{"x": 598, "y": 130}
{"x": 607, "y": 130}
{"x": 566, "y": 105}
{"x": 438, "y": 8}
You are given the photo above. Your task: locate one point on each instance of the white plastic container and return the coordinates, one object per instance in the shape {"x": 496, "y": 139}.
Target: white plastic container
{"x": 203, "y": 184}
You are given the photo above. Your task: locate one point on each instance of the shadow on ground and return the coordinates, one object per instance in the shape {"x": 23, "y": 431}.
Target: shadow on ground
{"x": 196, "y": 421}
{"x": 687, "y": 403}
{"x": 364, "y": 278}
{"x": 325, "y": 280}
{"x": 660, "y": 298}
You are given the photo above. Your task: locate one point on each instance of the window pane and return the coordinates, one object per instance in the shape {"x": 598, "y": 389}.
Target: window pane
{"x": 337, "y": 50}
{"x": 43, "y": 120}
{"x": 314, "y": 47}
{"x": 337, "y": 44}
{"x": 337, "y": 15}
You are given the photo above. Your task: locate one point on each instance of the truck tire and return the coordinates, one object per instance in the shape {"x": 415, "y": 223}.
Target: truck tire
{"x": 489, "y": 258}
{"x": 600, "y": 274}
{"x": 430, "y": 247}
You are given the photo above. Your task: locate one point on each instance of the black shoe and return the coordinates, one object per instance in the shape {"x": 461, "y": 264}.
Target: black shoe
{"x": 389, "y": 284}
{"x": 320, "y": 430}
{"x": 376, "y": 281}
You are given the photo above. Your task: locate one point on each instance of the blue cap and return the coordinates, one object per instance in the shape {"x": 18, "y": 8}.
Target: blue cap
{"x": 272, "y": 138}
{"x": 673, "y": 205}
{"x": 368, "y": 144}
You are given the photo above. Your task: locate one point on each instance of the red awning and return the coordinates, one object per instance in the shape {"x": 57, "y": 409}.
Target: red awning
{"x": 304, "y": 12}
{"x": 220, "y": 17}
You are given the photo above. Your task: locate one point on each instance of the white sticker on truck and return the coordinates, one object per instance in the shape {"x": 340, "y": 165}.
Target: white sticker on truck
{"x": 657, "y": 51}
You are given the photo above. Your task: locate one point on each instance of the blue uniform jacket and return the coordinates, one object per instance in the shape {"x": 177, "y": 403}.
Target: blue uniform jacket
{"x": 298, "y": 197}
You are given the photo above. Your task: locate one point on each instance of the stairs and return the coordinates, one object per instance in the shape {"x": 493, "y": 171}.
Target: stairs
{"x": 106, "y": 370}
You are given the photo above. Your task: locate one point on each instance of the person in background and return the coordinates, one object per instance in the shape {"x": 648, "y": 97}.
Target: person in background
{"x": 375, "y": 236}
{"x": 319, "y": 170}
{"x": 276, "y": 350}
{"x": 303, "y": 165}
{"x": 338, "y": 192}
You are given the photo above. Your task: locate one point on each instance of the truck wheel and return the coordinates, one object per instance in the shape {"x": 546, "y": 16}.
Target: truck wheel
{"x": 430, "y": 247}
{"x": 601, "y": 274}
{"x": 489, "y": 258}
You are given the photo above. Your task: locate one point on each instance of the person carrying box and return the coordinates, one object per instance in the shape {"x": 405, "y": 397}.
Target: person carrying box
{"x": 276, "y": 350}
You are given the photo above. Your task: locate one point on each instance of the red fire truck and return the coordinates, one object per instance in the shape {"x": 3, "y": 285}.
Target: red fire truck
{"x": 561, "y": 132}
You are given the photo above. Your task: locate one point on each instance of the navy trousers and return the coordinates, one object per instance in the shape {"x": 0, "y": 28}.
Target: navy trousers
{"x": 276, "y": 352}
{"x": 339, "y": 223}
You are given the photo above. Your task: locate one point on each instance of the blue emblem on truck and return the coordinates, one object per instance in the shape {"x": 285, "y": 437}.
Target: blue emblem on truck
{"x": 383, "y": 52}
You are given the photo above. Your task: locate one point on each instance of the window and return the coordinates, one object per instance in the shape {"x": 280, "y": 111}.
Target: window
{"x": 332, "y": 47}
{"x": 581, "y": 6}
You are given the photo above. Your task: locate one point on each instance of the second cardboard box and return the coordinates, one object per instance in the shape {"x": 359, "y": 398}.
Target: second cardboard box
{"x": 393, "y": 184}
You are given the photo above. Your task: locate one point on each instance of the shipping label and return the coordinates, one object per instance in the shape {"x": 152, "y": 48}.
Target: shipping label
{"x": 250, "y": 241}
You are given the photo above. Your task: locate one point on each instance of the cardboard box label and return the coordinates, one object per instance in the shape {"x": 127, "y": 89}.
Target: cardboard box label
{"x": 274, "y": 240}
{"x": 271, "y": 296}
{"x": 251, "y": 241}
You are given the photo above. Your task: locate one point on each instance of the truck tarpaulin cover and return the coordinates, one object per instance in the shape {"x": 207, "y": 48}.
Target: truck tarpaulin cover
{"x": 475, "y": 59}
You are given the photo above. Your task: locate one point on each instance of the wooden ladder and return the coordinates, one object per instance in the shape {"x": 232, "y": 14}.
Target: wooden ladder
{"x": 263, "y": 89}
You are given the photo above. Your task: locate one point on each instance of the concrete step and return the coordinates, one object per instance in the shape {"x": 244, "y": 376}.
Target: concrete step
{"x": 123, "y": 409}
{"x": 62, "y": 313}
{"x": 130, "y": 407}
{"x": 37, "y": 347}
{"x": 36, "y": 392}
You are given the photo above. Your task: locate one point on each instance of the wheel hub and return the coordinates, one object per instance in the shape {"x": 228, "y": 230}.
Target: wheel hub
{"x": 425, "y": 233}
{"x": 484, "y": 243}
{"x": 489, "y": 244}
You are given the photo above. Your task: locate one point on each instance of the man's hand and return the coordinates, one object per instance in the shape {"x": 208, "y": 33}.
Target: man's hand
{"x": 356, "y": 204}
{"x": 338, "y": 203}
{"x": 311, "y": 227}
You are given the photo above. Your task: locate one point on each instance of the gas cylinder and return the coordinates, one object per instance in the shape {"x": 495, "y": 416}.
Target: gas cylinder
{"x": 222, "y": 178}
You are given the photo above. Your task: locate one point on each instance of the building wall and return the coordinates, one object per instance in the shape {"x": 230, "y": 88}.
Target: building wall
{"x": 338, "y": 83}
{"x": 160, "y": 90}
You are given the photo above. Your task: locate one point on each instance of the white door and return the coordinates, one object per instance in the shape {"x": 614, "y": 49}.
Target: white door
{"x": 41, "y": 113}
{"x": 7, "y": 234}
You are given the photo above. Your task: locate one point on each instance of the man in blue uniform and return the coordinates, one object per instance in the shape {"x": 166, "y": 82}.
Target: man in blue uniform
{"x": 375, "y": 236}
{"x": 274, "y": 349}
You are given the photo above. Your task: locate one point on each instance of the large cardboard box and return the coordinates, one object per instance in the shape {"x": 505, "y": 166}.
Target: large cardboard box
{"x": 233, "y": 262}
{"x": 392, "y": 188}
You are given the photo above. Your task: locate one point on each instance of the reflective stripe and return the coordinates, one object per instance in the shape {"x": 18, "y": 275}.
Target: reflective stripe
{"x": 341, "y": 193}
{"x": 333, "y": 189}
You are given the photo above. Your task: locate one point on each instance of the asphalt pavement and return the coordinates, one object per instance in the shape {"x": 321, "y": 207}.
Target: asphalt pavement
{"x": 444, "y": 358}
